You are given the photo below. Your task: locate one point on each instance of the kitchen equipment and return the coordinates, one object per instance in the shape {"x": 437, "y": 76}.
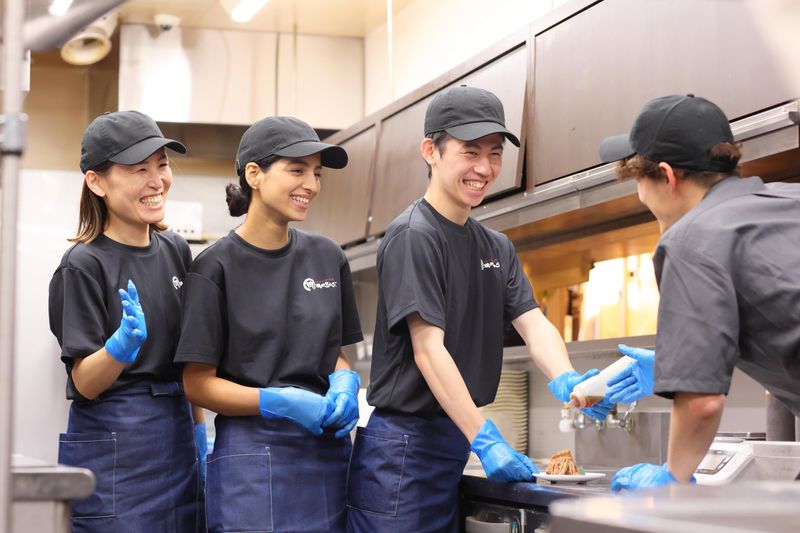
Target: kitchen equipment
{"x": 724, "y": 462}
{"x": 736, "y": 457}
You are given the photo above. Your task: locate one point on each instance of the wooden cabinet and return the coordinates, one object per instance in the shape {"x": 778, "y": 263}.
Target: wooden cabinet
{"x": 595, "y": 70}
{"x": 341, "y": 208}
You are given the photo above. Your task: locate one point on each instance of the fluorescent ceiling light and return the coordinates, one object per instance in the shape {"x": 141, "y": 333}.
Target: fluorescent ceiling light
{"x": 59, "y": 7}
{"x": 246, "y": 9}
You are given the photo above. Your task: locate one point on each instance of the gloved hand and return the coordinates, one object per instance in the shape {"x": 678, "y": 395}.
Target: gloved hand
{"x": 201, "y": 440}
{"x": 598, "y": 411}
{"x": 343, "y": 393}
{"x": 642, "y": 476}
{"x": 125, "y": 343}
{"x": 302, "y": 407}
{"x": 636, "y": 381}
{"x": 500, "y": 461}
{"x": 562, "y": 385}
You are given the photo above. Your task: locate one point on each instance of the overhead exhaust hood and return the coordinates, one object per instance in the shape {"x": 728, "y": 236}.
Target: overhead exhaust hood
{"x": 223, "y": 77}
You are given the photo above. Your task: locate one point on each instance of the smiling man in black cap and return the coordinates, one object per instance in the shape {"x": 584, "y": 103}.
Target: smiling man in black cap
{"x": 728, "y": 269}
{"x": 446, "y": 287}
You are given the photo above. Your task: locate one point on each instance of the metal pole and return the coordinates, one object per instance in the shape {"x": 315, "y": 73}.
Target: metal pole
{"x": 11, "y": 145}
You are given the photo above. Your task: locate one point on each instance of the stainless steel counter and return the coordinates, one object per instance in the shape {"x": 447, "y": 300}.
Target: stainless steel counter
{"x": 37, "y": 480}
{"x": 770, "y": 506}
{"x": 42, "y": 494}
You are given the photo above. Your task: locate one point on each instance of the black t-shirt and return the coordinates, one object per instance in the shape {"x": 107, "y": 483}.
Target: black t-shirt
{"x": 270, "y": 318}
{"x": 85, "y": 308}
{"x": 466, "y": 280}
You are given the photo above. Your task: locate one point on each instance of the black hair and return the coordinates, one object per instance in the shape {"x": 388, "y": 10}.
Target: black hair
{"x": 439, "y": 139}
{"x": 238, "y": 195}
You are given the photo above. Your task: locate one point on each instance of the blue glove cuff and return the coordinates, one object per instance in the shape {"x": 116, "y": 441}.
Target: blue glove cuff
{"x": 488, "y": 435}
{"x": 560, "y": 385}
{"x": 267, "y": 398}
{"x": 345, "y": 380}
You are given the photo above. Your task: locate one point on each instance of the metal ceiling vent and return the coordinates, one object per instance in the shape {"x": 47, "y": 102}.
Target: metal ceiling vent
{"x": 92, "y": 43}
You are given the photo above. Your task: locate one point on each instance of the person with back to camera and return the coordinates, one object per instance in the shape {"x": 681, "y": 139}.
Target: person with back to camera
{"x": 446, "y": 287}
{"x": 114, "y": 305}
{"x": 267, "y": 309}
{"x": 728, "y": 269}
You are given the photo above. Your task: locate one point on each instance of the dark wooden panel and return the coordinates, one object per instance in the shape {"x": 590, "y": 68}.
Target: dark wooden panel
{"x": 340, "y": 210}
{"x": 401, "y": 173}
{"x": 595, "y": 70}
{"x": 506, "y": 78}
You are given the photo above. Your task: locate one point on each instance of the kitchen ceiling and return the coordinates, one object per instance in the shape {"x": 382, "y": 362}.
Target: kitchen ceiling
{"x": 354, "y": 18}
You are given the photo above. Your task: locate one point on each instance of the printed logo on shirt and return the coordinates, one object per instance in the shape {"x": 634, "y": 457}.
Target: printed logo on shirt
{"x": 312, "y": 285}
{"x": 490, "y": 263}
{"x": 177, "y": 283}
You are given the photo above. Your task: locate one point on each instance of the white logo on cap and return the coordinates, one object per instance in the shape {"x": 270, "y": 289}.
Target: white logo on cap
{"x": 177, "y": 283}
{"x": 310, "y": 285}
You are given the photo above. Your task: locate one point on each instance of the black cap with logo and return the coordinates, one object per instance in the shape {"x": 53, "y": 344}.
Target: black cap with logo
{"x": 467, "y": 113}
{"x": 285, "y": 137}
{"x": 676, "y": 129}
{"x": 124, "y": 137}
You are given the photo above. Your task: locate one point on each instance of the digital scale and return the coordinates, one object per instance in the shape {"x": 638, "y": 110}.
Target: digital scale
{"x": 727, "y": 458}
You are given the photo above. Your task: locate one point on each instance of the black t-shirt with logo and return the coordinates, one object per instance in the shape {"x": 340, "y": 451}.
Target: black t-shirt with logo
{"x": 270, "y": 318}
{"x": 85, "y": 309}
{"x": 466, "y": 280}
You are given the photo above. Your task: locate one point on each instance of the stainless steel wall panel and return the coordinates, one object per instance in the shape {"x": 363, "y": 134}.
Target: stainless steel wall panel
{"x": 595, "y": 70}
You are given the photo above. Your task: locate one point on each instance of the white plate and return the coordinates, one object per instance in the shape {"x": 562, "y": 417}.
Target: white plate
{"x": 578, "y": 478}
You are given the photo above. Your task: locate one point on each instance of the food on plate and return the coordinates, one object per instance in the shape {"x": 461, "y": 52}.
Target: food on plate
{"x": 562, "y": 464}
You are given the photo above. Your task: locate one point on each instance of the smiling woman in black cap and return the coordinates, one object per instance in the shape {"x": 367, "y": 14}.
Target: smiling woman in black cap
{"x": 115, "y": 308}
{"x": 266, "y": 311}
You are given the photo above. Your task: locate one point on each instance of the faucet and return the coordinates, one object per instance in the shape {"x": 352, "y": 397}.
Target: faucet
{"x": 572, "y": 419}
{"x": 623, "y": 422}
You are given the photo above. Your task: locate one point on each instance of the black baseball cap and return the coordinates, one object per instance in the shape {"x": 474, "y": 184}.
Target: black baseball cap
{"x": 467, "y": 113}
{"x": 124, "y": 137}
{"x": 286, "y": 137}
{"x": 676, "y": 129}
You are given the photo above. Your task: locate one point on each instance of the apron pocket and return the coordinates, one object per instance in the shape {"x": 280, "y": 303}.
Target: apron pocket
{"x": 376, "y": 470}
{"x": 239, "y": 490}
{"x": 98, "y": 453}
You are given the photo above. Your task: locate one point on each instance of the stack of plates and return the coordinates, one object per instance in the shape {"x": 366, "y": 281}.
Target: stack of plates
{"x": 509, "y": 411}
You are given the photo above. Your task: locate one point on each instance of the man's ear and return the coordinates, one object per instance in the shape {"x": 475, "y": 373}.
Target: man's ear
{"x": 426, "y": 147}
{"x": 253, "y": 175}
{"x": 94, "y": 183}
{"x": 669, "y": 174}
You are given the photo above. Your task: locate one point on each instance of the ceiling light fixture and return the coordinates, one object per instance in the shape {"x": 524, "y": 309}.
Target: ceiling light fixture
{"x": 59, "y": 7}
{"x": 246, "y": 9}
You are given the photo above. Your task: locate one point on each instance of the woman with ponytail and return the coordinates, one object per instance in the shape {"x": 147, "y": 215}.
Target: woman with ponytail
{"x": 267, "y": 309}
{"x": 115, "y": 310}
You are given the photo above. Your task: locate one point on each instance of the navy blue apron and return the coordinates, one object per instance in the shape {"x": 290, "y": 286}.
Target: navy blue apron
{"x": 272, "y": 475}
{"x": 139, "y": 443}
{"x": 404, "y": 474}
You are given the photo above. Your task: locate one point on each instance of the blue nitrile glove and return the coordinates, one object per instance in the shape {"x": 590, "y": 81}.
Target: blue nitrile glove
{"x": 125, "y": 343}
{"x": 636, "y": 381}
{"x": 302, "y": 407}
{"x": 201, "y": 440}
{"x": 562, "y": 385}
{"x": 643, "y": 476}
{"x": 598, "y": 411}
{"x": 343, "y": 393}
{"x": 500, "y": 461}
